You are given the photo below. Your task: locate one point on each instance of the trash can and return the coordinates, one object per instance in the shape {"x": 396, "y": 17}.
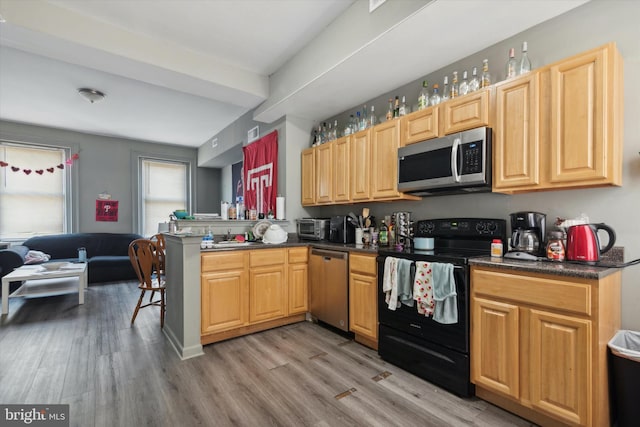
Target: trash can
{"x": 625, "y": 377}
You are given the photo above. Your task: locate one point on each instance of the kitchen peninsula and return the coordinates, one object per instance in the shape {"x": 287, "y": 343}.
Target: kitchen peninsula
{"x": 282, "y": 271}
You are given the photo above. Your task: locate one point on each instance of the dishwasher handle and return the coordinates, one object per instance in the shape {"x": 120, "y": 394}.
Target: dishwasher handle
{"x": 327, "y": 254}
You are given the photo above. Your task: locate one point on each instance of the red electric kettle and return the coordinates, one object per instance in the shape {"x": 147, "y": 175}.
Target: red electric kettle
{"x": 583, "y": 243}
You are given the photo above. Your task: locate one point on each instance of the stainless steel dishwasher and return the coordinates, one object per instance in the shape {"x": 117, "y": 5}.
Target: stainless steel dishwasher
{"x": 329, "y": 287}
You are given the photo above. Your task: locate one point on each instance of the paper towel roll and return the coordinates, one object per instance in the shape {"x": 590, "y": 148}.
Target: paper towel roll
{"x": 224, "y": 210}
{"x": 279, "y": 207}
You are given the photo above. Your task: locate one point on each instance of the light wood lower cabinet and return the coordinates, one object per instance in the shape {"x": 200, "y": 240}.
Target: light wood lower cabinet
{"x": 538, "y": 343}
{"x": 363, "y": 299}
{"x": 247, "y": 291}
{"x": 298, "y": 280}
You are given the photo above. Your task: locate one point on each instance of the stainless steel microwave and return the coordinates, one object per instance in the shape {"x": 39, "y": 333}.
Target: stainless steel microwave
{"x": 454, "y": 164}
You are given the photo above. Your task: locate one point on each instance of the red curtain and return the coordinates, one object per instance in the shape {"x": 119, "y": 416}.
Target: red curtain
{"x": 261, "y": 173}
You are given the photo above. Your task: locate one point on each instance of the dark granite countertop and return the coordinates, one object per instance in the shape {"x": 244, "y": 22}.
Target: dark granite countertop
{"x": 293, "y": 242}
{"x": 570, "y": 269}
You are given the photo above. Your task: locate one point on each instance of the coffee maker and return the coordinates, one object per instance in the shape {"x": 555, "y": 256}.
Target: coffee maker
{"x": 527, "y": 235}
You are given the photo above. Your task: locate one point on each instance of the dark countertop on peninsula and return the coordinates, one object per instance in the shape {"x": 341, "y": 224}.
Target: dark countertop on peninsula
{"x": 569, "y": 269}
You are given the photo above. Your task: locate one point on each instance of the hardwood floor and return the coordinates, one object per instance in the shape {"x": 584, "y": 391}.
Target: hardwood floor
{"x": 53, "y": 350}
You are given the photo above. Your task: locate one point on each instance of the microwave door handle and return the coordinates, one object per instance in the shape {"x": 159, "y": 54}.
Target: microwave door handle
{"x": 454, "y": 159}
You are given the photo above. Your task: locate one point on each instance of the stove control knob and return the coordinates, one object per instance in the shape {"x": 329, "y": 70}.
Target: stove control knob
{"x": 480, "y": 227}
{"x": 492, "y": 226}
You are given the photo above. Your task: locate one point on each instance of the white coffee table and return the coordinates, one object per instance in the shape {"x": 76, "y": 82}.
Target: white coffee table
{"x": 39, "y": 282}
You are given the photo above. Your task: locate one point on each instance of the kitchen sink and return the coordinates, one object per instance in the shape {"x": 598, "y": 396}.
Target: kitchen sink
{"x": 233, "y": 244}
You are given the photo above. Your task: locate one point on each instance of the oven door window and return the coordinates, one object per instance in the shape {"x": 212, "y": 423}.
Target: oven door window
{"x": 306, "y": 228}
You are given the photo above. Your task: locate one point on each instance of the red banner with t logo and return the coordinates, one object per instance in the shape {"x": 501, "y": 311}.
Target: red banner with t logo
{"x": 261, "y": 173}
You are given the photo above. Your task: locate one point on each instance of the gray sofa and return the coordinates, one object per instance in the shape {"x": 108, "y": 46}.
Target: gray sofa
{"x": 107, "y": 253}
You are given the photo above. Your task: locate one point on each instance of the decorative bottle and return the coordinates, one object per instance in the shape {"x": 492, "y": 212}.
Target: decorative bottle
{"x": 486, "y": 77}
{"x": 464, "y": 86}
{"x": 445, "y": 89}
{"x": 389, "y": 115}
{"x": 396, "y": 108}
{"x": 435, "y": 98}
{"x": 372, "y": 117}
{"x": 525, "y": 64}
{"x": 423, "y": 97}
{"x": 454, "y": 85}
{"x": 511, "y": 64}
{"x": 474, "y": 83}
{"x": 403, "y": 108}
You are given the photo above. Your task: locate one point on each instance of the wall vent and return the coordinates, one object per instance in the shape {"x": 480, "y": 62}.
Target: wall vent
{"x": 253, "y": 134}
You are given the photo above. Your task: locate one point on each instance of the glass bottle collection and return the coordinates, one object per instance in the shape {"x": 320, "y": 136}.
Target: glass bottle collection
{"x": 364, "y": 120}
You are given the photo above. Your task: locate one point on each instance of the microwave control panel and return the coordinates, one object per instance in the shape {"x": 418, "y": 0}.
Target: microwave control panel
{"x": 471, "y": 158}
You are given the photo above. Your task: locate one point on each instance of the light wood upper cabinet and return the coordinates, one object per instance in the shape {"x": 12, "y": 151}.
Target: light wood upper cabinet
{"x": 561, "y": 126}
{"x": 419, "y": 126}
{"x": 466, "y": 112}
{"x": 516, "y": 133}
{"x": 341, "y": 169}
{"x": 360, "y": 181}
{"x": 308, "y": 168}
{"x": 385, "y": 141}
{"x": 363, "y": 298}
{"x": 586, "y": 113}
{"x": 538, "y": 343}
{"x": 324, "y": 173}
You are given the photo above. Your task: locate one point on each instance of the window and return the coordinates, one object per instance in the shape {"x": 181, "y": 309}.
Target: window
{"x": 164, "y": 188}
{"x": 33, "y": 200}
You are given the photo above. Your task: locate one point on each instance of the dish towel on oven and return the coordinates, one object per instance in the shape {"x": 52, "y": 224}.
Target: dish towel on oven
{"x": 405, "y": 294}
{"x": 422, "y": 288}
{"x": 390, "y": 282}
{"x": 444, "y": 293}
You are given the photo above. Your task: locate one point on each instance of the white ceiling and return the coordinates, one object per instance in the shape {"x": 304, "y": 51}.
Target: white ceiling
{"x": 179, "y": 71}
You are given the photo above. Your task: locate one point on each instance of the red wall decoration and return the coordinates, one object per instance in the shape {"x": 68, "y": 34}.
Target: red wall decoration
{"x": 261, "y": 173}
{"x": 106, "y": 210}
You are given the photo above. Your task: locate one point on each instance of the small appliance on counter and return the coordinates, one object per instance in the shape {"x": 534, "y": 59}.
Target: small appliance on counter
{"x": 528, "y": 230}
{"x": 583, "y": 243}
{"x": 341, "y": 230}
{"x": 313, "y": 228}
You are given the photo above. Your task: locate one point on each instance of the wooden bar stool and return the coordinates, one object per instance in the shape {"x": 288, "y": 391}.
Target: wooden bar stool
{"x": 145, "y": 258}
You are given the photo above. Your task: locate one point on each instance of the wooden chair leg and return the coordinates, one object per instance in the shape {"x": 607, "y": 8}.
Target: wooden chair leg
{"x": 162, "y": 308}
{"x": 135, "y": 313}
{"x": 153, "y": 293}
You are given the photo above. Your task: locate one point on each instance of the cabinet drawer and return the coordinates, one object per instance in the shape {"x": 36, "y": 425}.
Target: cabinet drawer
{"x": 267, "y": 257}
{"x": 297, "y": 255}
{"x": 365, "y": 264}
{"x": 222, "y": 261}
{"x": 542, "y": 290}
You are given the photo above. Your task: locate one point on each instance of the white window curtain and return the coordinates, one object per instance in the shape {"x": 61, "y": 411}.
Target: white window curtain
{"x": 32, "y": 204}
{"x": 164, "y": 189}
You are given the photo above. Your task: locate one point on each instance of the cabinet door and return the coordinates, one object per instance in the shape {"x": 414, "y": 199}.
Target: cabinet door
{"x": 324, "y": 173}
{"x": 495, "y": 344}
{"x": 361, "y": 165}
{"x": 298, "y": 288}
{"x": 308, "y": 166}
{"x": 341, "y": 163}
{"x": 466, "y": 112}
{"x": 363, "y": 305}
{"x": 385, "y": 141}
{"x": 560, "y": 372}
{"x": 582, "y": 136}
{"x": 419, "y": 126}
{"x": 516, "y": 139}
{"x": 267, "y": 293}
{"x": 224, "y": 303}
